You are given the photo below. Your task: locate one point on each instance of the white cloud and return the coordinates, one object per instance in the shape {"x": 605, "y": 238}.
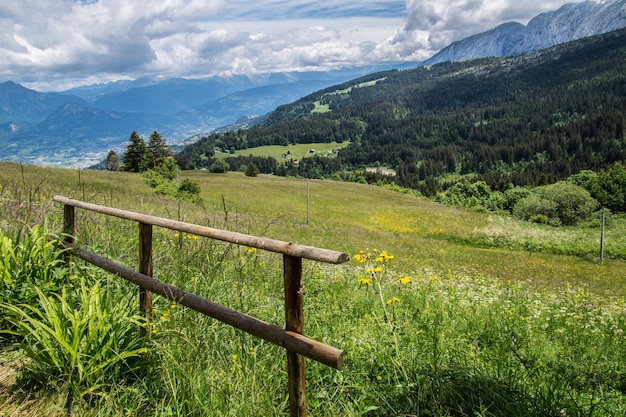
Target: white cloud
{"x": 58, "y": 43}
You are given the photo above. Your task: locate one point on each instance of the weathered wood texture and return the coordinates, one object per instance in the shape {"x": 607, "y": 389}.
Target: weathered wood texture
{"x": 285, "y": 248}
{"x": 145, "y": 267}
{"x": 291, "y": 341}
{"x": 294, "y": 321}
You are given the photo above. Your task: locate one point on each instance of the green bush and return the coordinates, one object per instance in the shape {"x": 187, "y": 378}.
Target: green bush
{"x": 219, "y": 167}
{"x": 189, "y": 186}
{"x": 561, "y": 203}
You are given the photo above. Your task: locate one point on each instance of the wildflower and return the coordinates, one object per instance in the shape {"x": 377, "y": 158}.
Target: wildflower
{"x": 154, "y": 331}
{"x": 251, "y": 250}
{"x": 176, "y": 235}
{"x": 365, "y": 281}
{"x": 379, "y": 259}
{"x": 379, "y": 378}
{"x": 393, "y": 300}
{"x": 405, "y": 280}
{"x": 172, "y": 306}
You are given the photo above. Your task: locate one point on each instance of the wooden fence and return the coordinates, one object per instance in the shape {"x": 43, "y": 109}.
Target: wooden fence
{"x": 291, "y": 337}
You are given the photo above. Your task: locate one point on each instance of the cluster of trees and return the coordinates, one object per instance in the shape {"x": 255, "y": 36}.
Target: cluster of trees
{"x": 157, "y": 164}
{"x": 567, "y": 202}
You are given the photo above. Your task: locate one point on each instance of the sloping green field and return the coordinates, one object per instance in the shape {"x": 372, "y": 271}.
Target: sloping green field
{"x": 440, "y": 311}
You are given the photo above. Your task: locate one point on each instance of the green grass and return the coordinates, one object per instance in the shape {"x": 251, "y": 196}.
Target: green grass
{"x": 297, "y": 151}
{"x": 468, "y": 314}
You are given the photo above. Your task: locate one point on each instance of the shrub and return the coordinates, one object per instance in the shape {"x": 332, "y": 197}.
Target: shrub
{"x": 251, "y": 170}
{"x": 189, "y": 186}
{"x": 219, "y": 167}
{"x": 562, "y": 203}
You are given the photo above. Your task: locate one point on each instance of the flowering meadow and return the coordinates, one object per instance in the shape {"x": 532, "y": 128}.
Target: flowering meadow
{"x": 431, "y": 324}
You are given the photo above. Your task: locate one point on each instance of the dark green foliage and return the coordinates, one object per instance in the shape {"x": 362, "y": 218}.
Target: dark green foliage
{"x": 112, "y": 161}
{"x": 157, "y": 151}
{"x": 135, "y": 154}
{"x": 219, "y": 167}
{"x": 189, "y": 186}
{"x": 472, "y": 195}
{"x": 251, "y": 170}
{"x": 560, "y": 203}
{"x": 610, "y": 188}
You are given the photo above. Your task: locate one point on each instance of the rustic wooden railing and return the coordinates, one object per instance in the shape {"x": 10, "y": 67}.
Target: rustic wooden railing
{"x": 291, "y": 337}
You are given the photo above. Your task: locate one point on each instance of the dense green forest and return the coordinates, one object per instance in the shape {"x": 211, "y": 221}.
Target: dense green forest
{"x": 533, "y": 119}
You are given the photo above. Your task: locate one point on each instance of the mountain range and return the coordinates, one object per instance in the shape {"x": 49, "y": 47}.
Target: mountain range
{"x": 570, "y": 22}
{"x": 78, "y": 127}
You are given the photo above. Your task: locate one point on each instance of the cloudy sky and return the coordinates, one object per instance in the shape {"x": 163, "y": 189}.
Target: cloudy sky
{"x": 57, "y": 44}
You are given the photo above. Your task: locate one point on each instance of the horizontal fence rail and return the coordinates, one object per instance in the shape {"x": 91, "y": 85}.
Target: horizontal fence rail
{"x": 291, "y": 337}
{"x": 291, "y": 341}
{"x": 277, "y": 246}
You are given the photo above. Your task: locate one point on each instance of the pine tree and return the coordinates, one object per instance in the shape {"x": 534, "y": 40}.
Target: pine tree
{"x": 158, "y": 151}
{"x": 135, "y": 154}
{"x": 113, "y": 161}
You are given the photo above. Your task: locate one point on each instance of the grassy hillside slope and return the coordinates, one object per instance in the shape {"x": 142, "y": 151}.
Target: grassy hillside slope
{"x": 440, "y": 312}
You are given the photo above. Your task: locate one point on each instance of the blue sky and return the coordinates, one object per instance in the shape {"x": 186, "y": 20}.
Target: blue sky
{"x": 58, "y": 44}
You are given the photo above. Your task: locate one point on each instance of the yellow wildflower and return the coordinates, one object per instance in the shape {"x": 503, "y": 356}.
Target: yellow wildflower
{"x": 405, "y": 280}
{"x": 393, "y": 300}
{"x": 365, "y": 281}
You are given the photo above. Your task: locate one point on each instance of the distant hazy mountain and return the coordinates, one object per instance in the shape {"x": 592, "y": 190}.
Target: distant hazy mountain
{"x": 19, "y": 104}
{"x": 79, "y": 127}
{"x": 570, "y": 22}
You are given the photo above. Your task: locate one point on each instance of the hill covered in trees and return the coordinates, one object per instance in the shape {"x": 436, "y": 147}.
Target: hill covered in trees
{"x": 532, "y": 119}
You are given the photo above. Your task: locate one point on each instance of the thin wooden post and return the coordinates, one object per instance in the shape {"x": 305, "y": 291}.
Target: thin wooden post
{"x": 294, "y": 322}
{"x": 69, "y": 228}
{"x": 602, "y": 237}
{"x": 145, "y": 267}
{"x": 69, "y": 223}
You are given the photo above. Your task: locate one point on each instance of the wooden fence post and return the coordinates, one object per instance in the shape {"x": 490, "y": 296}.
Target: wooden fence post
{"x": 145, "y": 267}
{"x": 294, "y": 322}
{"x": 69, "y": 229}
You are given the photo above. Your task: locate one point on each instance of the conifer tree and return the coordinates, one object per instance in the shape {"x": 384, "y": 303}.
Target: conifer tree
{"x": 135, "y": 154}
{"x": 158, "y": 151}
{"x": 113, "y": 161}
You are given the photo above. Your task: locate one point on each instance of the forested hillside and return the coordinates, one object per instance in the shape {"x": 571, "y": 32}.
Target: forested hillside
{"x": 526, "y": 120}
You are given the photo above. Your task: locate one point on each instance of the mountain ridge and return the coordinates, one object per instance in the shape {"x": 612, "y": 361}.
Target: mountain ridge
{"x": 571, "y": 21}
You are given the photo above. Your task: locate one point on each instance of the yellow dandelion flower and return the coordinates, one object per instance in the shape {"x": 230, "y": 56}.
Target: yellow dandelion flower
{"x": 405, "y": 280}
{"x": 251, "y": 250}
{"x": 195, "y": 238}
{"x": 393, "y": 300}
{"x": 172, "y": 306}
{"x": 176, "y": 235}
{"x": 154, "y": 331}
{"x": 379, "y": 378}
{"x": 378, "y": 269}
{"x": 365, "y": 281}
{"x": 379, "y": 259}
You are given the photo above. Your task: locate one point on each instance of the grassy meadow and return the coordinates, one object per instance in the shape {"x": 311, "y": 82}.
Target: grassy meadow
{"x": 296, "y": 151}
{"x": 440, "y": 312}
